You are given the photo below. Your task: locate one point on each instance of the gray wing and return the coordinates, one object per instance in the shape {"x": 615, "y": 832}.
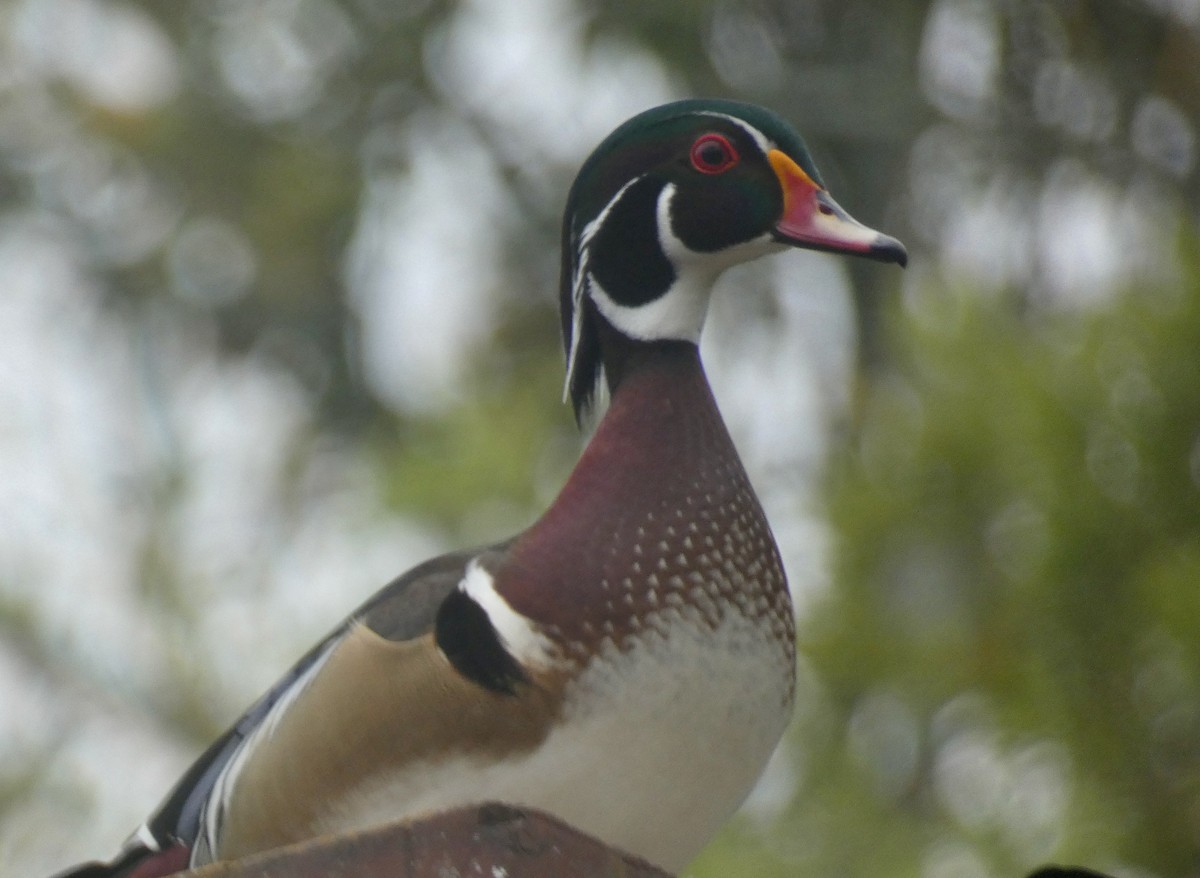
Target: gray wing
{"x": 405, "y": 609}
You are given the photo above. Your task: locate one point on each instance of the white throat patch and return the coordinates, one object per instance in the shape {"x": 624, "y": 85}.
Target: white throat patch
{"x": 678, "y": 313}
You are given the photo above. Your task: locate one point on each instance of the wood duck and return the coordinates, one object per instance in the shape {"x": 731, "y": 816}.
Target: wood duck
{"x": 627, "y": 663}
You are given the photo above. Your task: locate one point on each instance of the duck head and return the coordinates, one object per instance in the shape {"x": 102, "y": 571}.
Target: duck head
{"x": 668, "y": 201}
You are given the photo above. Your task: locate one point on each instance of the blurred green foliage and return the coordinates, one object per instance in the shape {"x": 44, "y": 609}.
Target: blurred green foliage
{"x": 1018, "y": 523}
{"x": 1006, "y": 666}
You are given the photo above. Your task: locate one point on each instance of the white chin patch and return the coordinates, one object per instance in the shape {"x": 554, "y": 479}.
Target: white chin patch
{"x": 679, "y": 313}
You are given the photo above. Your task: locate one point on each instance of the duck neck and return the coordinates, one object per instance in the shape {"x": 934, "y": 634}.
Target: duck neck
{"x": 660, "y": 467}
{"x": 662, "y": 431}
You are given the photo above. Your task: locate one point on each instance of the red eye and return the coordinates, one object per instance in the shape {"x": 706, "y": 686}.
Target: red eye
{"x": 713, "y": 154}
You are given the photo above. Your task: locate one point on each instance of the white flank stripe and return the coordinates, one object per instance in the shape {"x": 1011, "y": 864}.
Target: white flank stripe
{"x": 518, "y": 633}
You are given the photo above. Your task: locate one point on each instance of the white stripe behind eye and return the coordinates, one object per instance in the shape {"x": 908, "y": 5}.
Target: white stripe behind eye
{"x": 757, "y": 136}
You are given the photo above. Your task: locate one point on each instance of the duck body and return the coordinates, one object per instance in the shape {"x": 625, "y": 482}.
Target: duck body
{"x": 654, "y": 696}
{"x": 627, "y": 662}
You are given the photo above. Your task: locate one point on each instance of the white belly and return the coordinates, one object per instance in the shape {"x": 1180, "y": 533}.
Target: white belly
{"x": 657, "y": 746}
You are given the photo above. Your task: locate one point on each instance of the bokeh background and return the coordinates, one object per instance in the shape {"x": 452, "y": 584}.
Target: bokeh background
{"x": 277, "y": 281}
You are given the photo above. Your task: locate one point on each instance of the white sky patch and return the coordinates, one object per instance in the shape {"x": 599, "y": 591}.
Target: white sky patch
{"x": 527, "y": 69}
{"x": 991, "y": 238}
{"x": 785, "y": 324}
{"x": 421, "y": 267}
{"x": 69, "y": 443}
{"x": 68, "y": 818}
{"x": 1076, "y": 240}
{"x": 548, "y": 96}
{"x": 112, "y": 52}
{"x": 1079, "y": 237}
{"x": 960, "y": 56}
{"x": 277, "y": 56}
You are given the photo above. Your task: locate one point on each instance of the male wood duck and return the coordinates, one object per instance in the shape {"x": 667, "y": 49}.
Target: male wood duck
{"x": 627, "y": 663}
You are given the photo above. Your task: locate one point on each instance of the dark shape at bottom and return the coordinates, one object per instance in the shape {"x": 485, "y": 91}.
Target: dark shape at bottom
{"x": 1066, "y": 872}
{"x": 490, "y": 839}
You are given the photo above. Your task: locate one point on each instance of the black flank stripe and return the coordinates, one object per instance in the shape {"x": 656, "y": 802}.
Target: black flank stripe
{"x": 466, "y": 637}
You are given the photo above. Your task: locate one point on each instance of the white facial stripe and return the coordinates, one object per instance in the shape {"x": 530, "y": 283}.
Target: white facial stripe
{"x": 677, "y": 251}
{"x": 581, "y": 279}
{"x": 679, "y": 313}
{"x": 518, "y": 633}
{"x": 757, "y": 136}
{"x": 589, "y": 230}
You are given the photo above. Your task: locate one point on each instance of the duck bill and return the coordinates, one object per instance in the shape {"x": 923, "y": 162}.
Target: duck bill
{"x": 812, "y": 219}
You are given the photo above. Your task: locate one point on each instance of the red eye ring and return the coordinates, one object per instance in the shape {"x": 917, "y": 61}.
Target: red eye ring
{"x": 713, "y": 154}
